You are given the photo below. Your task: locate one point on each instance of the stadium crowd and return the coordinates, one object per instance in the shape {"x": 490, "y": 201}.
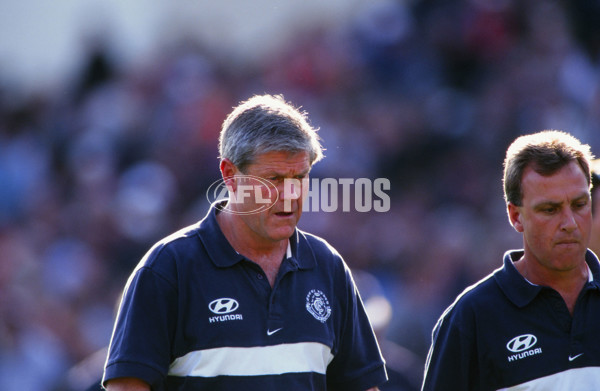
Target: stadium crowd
{"x": 426, "y": 93}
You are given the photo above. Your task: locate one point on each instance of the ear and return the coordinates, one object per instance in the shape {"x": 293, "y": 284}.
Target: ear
{"x": 228, "y": 170}
{"x": 514, "y": 216}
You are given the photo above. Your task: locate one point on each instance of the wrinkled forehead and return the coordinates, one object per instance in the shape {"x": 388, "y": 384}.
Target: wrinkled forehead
{"x": 281, "y": 162}
{"x": 569, "y": 182}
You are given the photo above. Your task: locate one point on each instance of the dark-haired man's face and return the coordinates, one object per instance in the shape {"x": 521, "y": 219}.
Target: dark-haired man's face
{"x": 555, "y": 218}
{"x": 595, "y": 236}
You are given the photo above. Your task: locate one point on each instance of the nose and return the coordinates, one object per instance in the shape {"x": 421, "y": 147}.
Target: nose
{"x": 292, "y": 189}
{"x": 568, "y": 222}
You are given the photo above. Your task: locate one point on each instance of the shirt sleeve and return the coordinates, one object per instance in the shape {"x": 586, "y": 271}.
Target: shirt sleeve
{"x": 451, "y": 362}
{"x": 140, "y": 345}
{"x": 358, "y": 364}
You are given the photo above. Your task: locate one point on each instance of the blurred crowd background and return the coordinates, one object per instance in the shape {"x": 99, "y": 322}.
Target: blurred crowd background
{"x": 426, "y": 93}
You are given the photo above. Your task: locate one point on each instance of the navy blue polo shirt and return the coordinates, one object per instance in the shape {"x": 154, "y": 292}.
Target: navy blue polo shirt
{"x": 196, "y": 315}
{"x": 505, "y": 333}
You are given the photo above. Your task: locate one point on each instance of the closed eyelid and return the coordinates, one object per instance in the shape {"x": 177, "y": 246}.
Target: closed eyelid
{"x": 548, "y": 205}
{"x": 285, "y": 176}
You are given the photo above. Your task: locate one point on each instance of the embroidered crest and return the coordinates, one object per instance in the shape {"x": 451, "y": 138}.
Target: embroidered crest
{"x": 318, "y": 305}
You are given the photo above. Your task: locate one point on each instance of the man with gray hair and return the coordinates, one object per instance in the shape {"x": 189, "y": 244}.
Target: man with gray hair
{"x": 243, "y": 300}
{"x": 532, "y": 324}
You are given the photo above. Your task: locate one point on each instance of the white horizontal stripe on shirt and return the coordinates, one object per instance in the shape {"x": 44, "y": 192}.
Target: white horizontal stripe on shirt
{"x": 254, "y": 361}
{"x": 571, "y": 380}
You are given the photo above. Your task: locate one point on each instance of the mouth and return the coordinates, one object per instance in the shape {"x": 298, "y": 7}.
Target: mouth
{"x": 568, "y": 242}
{"x": 284, "y": 214}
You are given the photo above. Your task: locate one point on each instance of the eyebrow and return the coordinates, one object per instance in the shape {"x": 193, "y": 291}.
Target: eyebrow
{"x": 279, "y": 174}
{"x": 541, "y": 204}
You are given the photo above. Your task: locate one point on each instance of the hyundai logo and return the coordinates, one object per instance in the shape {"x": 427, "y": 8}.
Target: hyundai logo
{"x": 223, "y": 306}
{"x": 522, "y": 342}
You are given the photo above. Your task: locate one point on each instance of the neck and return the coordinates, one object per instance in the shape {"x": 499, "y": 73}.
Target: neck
{"x": 268, "y": 254}
{"x": 568, "y": 283}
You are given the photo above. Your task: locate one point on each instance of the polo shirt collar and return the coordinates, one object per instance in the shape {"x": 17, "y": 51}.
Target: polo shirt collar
{"x": 222, "y": 253}
{"x": 216, "y": 244}
{"x": 520, "y": 291}
{"x": 303, "y": 255}
{"x": 594, "y": 265}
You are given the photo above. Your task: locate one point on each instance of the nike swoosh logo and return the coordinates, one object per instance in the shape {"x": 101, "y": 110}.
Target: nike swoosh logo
{"x": 571, "y": 358}
{"x": 269, "y": 332}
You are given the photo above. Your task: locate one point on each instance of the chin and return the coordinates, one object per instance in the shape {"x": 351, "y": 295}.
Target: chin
{"x": 282, "y": 234}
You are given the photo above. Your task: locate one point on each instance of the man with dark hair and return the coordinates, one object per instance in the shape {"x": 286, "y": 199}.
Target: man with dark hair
{"x": 532, "y": 324}
{"x": 595, "y": 237}
{"x": 244, "y": 300}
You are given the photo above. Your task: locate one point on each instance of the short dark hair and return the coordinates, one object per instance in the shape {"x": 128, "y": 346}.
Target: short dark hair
{"x": 546, "y": 152}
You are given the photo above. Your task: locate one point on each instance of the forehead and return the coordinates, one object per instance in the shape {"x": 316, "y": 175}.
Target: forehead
{"x": 570, "y": 181}
{"x": 281, "y": 161}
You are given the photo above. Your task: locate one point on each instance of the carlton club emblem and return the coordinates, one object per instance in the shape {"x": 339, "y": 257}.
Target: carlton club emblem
{"x": 318, "y": 305}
